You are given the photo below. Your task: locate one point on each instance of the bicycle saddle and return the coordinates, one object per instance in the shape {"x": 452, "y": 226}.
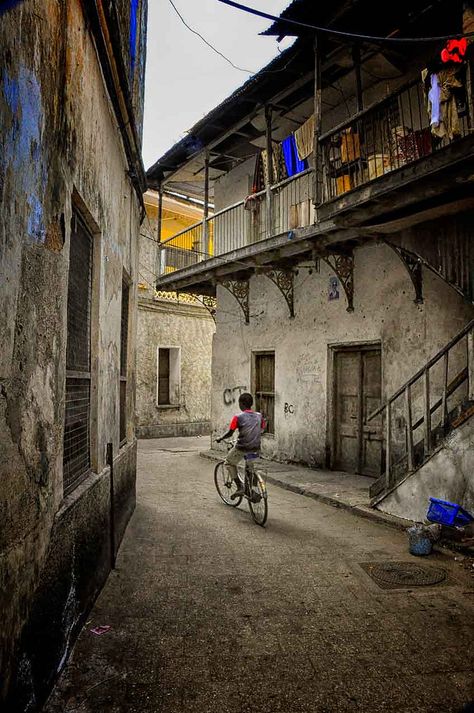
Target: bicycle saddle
{"x": 251, "y": 456}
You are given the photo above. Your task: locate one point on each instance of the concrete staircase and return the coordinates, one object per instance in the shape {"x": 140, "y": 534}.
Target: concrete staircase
{"x": 422, "y": 417}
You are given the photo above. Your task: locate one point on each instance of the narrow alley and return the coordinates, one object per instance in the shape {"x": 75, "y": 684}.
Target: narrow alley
{"x": 209, "y": 613}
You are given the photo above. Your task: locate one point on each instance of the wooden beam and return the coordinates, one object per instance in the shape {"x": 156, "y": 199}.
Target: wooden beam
{"x": 205, "y": 224}
{"x": 317, "y": 190}
{"x": 269, "y": 161}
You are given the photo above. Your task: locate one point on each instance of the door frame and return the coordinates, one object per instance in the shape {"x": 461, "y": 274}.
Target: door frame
{"x": 333, "y": 351}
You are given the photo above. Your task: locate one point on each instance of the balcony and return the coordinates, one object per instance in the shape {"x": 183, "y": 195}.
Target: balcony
{"x": 384, "y": 164}
{"x": 386, "y": 146}
{"x": 287, "y": 206}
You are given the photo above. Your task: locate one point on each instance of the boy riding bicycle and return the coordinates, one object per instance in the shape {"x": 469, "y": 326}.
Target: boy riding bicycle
{"x": 250, "y": 425}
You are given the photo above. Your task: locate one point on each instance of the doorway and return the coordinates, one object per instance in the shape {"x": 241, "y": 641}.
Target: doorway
{"x": 357, "y": 446}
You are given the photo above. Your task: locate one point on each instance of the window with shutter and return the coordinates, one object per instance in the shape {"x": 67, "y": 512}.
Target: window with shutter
{"x": 265, "y": 387}
{"x": 76, "y": 453}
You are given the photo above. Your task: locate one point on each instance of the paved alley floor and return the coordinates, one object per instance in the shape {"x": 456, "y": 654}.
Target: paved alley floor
{"x": 212, "y": 614}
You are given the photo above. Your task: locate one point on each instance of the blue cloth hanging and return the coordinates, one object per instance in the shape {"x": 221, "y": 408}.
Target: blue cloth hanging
{"x": 293, "y": 163}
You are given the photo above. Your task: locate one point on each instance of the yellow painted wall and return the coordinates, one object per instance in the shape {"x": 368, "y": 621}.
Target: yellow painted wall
{"x": 176, "y": 219}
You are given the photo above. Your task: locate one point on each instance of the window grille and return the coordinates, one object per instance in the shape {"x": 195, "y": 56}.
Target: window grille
{"x": 265, "y": 388}
{"x": 123, "y": 361}
{"x": 76, "y": 457}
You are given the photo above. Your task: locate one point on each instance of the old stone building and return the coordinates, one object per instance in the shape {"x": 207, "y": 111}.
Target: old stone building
{"x": 175, "y": 331}
{"x": 342, "y": 256}
{"x": 71, "y": 186}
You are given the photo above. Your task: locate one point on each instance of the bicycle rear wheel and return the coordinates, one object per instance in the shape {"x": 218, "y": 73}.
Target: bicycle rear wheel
{"x": 258, "y": 504}
{"x": 225, "y": 485}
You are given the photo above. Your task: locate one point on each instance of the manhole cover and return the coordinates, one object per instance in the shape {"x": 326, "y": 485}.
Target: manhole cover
{"x": 403, "y": 574}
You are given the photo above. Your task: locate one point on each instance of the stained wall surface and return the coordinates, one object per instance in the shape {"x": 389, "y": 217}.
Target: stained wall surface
{"x": 61, "y": 149}
{"x": 164, "y": 320}
{"x": 384, "y": 314}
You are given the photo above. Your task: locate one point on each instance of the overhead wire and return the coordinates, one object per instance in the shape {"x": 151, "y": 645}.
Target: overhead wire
{"x": 340, "y": 33}
{"x": 214, "y": 49}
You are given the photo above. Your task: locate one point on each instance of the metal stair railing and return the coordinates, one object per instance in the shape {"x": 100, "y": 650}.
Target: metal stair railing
{"x": 429, "y": 405}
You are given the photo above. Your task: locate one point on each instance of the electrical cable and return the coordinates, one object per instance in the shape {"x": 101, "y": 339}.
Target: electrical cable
{"x": 195, "y": 32}
{"x": 214, "y": 49}
{"x": 340, "y": 33}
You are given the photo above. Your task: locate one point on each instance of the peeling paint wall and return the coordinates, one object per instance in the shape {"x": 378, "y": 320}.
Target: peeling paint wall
{"x": 384, "y": 312}
{"x": 169, "y": 323}
{"x": 60, "y": 147}
{"x": 447, "y": 475}
{"x": 190, "y": 327}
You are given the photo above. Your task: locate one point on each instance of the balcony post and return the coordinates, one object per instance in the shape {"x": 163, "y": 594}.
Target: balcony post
{"x": 358, "y": 77}
{"x": 269, "y": 183}
{"x": 470, "y": 364}
{"x": 318, "y": 164}
{"x": 159, "y": 224}
{"x": 205, "y": 224}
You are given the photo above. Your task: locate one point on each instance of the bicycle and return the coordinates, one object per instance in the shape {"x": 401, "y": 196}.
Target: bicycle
{"x": 255, "y": 490}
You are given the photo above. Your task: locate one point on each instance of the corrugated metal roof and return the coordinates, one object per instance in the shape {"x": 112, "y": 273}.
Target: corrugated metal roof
{"x": 289, "y": 64}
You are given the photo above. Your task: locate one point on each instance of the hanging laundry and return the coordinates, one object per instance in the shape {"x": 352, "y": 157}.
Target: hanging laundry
{"x": 441, "y": 102}
{"x": 449, "y": 119}
{"x": 304, "y": 138}
{"x": 434, "y": 97}
{"x": 292, "y": 161}
{"x": 279, "y": 166}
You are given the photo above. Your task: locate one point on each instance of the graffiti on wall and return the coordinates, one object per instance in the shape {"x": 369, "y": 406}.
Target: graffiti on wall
{"x": 231, "y": 395}
{"x": 289, "y": 409}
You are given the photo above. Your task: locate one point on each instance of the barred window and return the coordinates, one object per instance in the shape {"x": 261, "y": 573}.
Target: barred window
{"x": 76, "y": 457}
{"x": 123, "y": 362}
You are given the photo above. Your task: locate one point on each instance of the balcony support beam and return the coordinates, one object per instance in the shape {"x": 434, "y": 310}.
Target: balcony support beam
{"x": 318, "y": 164}
{"x": 240, "y": 290}
{"x": 205, "y": 224}
{"x": 413, "y": 266}
{"x": 269, "y": 161}
{"x": 159, "y": 232}
{"x": 284, "y": 280}
{"x": 343, "y": 266}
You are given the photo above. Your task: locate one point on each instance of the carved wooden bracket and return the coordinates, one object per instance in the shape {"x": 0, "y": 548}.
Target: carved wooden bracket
{"x": 343, "y": 266}
{"x": 240, "y": 290}
{"x": 284, "y": 280}
{"x": 412, "y": 265}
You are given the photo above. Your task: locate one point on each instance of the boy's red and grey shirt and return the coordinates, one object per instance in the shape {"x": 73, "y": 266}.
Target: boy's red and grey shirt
{"x": 250, "y": 425}
{"x": 234, "y": 424}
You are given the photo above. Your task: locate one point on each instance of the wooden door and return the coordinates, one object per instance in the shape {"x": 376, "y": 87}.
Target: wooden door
{"x": 265, "y": 388}
{"x": 357, "y": 447}
{"x": 164, "y": 377}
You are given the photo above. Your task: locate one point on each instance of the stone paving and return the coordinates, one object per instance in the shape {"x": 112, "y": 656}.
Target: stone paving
{"x": 210, "y": 613}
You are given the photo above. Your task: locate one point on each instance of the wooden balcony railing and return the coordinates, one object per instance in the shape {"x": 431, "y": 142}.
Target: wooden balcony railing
{"x": 241, "y": 224}
{"x": 387, "y": 135}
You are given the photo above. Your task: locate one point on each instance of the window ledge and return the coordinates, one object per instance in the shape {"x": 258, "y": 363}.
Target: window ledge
{"x": 168, "y": 406}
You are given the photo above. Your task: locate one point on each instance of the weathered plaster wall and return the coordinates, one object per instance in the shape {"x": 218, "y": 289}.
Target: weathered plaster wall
{"x": 447, "y": 475}
{"x": 60, "y": 145}
{"x": 384, "y": 312}
{"x": 168, "y": 324}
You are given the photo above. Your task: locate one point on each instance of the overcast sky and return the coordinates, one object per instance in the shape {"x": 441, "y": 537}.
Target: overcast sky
{"x": 184, "y": 78}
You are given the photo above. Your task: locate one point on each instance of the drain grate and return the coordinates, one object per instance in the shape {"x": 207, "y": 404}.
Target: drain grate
{"x": 398, "y": 575}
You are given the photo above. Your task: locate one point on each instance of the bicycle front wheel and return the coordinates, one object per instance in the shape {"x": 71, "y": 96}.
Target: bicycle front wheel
{"x": 258, "y": 504}
{"x": 225, "y": 485}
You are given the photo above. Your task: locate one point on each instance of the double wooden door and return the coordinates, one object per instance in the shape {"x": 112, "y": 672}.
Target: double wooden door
{"x": 357, "y": 446}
